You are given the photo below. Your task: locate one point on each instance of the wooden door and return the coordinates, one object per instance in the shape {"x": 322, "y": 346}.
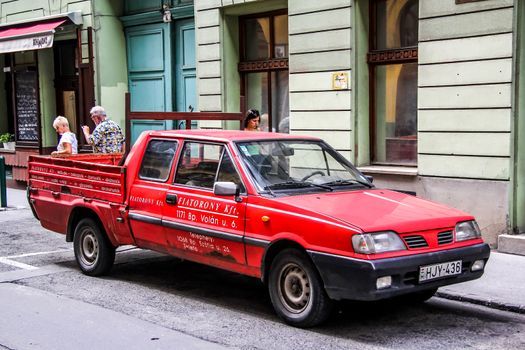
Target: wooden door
{"x": 185, "y": 67}
{"x": 150, "y": 74}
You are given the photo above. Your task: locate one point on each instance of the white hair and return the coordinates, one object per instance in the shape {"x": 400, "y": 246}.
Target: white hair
{"x": 60, "y": 120}
{"x": 98, "y": 110}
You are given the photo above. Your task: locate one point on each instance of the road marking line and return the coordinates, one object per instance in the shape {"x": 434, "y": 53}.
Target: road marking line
{"x": 34, "y": 254}
{"x": 17, "y": 264}
{"x": 7, "y": 259}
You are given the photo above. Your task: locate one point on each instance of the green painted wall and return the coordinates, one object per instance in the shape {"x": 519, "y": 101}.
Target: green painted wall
{"x": 3, "y": 101}
{"x": 231, "y": 81}
{"x": 110, "y": 58}
{"x": 360, "y": 83}
{"x": 46, "y": 76}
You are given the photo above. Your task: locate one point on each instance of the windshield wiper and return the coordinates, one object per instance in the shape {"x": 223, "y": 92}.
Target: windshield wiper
{"x": 297, "y": 184}
{"x": 347, "y": 182}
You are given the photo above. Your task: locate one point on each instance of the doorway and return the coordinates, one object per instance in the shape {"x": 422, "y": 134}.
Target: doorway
{"x": 66, "y": 83}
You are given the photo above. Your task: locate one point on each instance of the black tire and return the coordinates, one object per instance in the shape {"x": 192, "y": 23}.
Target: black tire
{"x": 297, "y": 291}
{"x": 93, "y": 251}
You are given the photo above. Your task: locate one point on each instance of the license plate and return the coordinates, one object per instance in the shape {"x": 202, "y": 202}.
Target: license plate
{"x": 435, "y": 271}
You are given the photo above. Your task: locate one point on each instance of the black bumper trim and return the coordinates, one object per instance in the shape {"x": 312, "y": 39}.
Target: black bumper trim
{"x": 355, "y": 279}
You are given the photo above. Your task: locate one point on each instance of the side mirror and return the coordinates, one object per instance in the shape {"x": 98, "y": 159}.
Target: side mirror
{"x": 370, "y": 178}
{"x": 226, "y": 188}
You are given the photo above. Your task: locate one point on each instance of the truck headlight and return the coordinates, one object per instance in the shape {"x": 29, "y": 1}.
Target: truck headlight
{"x": 467, "y": 230}
{"x": 378, "y": 242}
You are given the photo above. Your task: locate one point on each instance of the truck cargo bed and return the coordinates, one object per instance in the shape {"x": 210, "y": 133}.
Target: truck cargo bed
{"x": 86, "y": 175}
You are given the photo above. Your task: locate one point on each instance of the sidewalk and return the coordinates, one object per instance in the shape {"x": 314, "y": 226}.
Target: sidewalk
{"x": 16, "y": 199}
{"x": 501, "y": 287}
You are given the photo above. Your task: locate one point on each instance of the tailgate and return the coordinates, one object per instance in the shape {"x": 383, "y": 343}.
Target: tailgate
{"x": 91, "y": 176}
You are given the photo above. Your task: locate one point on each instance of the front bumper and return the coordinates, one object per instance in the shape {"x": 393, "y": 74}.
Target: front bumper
{"x": 355, "y": 279}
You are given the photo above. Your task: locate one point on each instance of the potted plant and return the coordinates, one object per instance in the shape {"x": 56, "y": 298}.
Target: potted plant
{"x": 8, "y": 140}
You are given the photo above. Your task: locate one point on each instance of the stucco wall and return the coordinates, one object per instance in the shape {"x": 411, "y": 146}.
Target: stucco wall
{"x": 216, "y": 35}
{"x": 320, "y": 45}
{"x": 465, "y": 82}
{"x": 46, "y": 76}
{"x": 111, "y": 75}
{"x": 465, "y": 108}
{"x": 464, "y": 96}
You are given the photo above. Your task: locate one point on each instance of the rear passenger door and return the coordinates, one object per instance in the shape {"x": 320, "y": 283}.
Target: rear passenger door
{"x": 199, "y": 225}
{"x": 147, "y": 196}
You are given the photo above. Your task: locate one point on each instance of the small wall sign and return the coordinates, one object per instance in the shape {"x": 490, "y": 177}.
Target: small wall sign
{"x": 340, "y": 81}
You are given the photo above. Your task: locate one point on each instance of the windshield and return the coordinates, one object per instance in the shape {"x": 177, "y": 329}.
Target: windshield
{"x": 299, "y": 165}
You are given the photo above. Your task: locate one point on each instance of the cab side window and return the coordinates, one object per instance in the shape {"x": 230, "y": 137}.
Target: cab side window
{"x": 203, "y": 164}
{"x": 157, "y": 160}
{"x": 198, "y": 164}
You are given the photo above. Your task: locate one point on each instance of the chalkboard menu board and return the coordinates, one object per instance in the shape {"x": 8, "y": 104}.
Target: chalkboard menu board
{"x": 26, "y": 106}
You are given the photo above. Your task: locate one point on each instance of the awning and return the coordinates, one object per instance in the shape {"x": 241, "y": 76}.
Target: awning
{"x": 28, "y": 37}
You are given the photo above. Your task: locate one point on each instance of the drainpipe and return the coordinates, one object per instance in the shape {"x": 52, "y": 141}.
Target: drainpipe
{"x": 517, "y": 205}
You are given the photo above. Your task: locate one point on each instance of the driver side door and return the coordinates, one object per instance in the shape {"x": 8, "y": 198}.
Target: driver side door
{"x": 200, "y": 225}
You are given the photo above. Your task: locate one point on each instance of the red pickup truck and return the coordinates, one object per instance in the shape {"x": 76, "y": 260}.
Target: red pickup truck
{"x": 287, "y": 209}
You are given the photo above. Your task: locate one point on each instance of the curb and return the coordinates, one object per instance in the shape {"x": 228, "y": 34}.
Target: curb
{"x": 520, "y": 309}
{"x": 12, "y": 208}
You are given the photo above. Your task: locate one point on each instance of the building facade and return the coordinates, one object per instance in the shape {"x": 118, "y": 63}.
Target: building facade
{"x": 425, "y": 95}
{"x": 58, "y": 58}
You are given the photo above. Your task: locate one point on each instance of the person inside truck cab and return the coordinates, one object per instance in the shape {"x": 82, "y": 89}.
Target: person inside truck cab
{"x": 107, "y": 136}
{"x": 68, "y": 141}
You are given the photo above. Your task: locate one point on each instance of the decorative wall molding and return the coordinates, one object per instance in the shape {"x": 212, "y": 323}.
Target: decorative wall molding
{"x": 396, "y": 55}
{"x": 255, "y": 66}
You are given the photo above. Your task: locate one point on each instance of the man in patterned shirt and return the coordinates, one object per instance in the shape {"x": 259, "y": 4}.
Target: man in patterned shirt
{"x": 107, "y": 136}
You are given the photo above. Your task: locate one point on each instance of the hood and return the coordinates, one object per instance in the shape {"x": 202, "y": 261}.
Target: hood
{"x": 378, "y": 210}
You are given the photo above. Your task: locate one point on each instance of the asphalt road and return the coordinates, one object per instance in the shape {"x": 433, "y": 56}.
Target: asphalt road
{"x": 178, "y": 304}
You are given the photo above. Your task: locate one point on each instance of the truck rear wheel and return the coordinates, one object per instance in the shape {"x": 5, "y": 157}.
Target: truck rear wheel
{"x": 93, "y": 251}
{"x": 296, "y": 290}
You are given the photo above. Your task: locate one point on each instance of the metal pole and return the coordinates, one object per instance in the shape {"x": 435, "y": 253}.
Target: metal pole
{"x": 3, "y": 195}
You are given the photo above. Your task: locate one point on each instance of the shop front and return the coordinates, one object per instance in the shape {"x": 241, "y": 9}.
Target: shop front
{"x": 44, "y": 75}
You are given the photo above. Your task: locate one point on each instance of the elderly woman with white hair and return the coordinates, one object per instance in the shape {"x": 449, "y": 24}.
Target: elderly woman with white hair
{"x": 68, "y": 141}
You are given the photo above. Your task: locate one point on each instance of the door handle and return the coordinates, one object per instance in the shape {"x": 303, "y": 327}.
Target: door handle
{"x": 171, "y": 198}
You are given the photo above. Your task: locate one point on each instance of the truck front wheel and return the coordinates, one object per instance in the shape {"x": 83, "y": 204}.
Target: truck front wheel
{"x": 296, "y": 290}
{"x": 93, "y": 251}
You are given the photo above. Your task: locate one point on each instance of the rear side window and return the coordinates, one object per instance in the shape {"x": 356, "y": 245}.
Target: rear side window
{"x": 157, "y": 160}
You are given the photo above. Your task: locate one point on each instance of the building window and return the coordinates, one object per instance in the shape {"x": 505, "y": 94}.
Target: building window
{"x": 263, "y": 68}
{"x": 392, "y": 62}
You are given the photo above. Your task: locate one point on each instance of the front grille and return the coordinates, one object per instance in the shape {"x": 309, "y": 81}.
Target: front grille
{"x": 445, "y": 237}
{"x": 416, "y": 241}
